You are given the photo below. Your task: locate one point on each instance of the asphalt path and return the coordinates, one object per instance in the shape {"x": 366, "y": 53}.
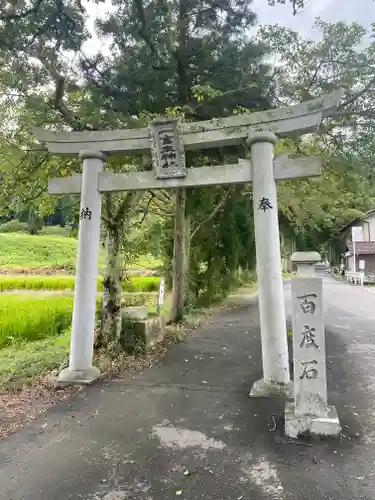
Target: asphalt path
{"x": 186, "y": 428}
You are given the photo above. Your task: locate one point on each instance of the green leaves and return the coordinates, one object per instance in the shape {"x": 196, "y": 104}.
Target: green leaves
{"x": 315, "y": 209}
{"x": 297, "y": 5}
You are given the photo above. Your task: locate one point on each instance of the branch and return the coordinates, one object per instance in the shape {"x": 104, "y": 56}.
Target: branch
{"x": 368, "y": 113}
{"x": 146, "y": 210}
{"x": 165, "y": 198}
{"x": 144, "y": 30}
{"x": 127, "y": 206}
{"x": 59, "y": 80}
{"x": 166, "y": 214}
{"x": 229, "y": 92}
{"x": 108, "y": 216}
{"x": 162, "y": 210}
{"x": 213, "y": 213}
{"x": 359, "y": 94}
{"x": 8, "y": 16}
{"x": 35, "y": 196}
{"x": 313, "y": 78}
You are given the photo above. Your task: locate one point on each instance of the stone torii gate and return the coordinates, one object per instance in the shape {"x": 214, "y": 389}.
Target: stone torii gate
{"x": 167, "y": 140}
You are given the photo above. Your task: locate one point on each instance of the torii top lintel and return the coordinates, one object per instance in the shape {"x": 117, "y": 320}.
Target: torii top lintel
{"x": 288, "y": 121}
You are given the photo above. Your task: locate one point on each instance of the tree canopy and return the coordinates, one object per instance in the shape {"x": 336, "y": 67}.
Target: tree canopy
{"x": 196, "y": 60}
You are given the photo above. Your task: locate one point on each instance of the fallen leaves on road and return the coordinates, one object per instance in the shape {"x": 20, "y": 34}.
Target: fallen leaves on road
{"x": 17, "y": 410}
{"x": 20, "y": 409}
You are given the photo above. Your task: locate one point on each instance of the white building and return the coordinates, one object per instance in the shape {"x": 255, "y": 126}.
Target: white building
{"x": 365, "y": 249}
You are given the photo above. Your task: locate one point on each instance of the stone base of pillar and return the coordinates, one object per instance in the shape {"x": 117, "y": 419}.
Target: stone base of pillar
{"x": 263, "y": 388}
{"x": 79, "y": 377}
{"x": 296, "y": 425}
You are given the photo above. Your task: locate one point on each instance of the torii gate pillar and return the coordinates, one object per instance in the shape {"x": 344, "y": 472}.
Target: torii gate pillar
{"x": 81, "y": 369}
{"x": 276, "y": 378}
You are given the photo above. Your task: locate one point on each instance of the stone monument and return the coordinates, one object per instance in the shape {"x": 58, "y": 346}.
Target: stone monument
{"x": 309, "y": 412}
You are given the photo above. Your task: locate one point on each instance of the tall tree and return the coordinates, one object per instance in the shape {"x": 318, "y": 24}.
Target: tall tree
{"x": 340, "y": 58}
{"x": 305, "y": 69}
{"x": 192, "y": 57}
{"x": 40, "y": 48}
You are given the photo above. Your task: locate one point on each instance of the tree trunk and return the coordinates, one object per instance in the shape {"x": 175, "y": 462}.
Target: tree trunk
{"x": 179, "y": 258}
{"x": 110, "y": 328}
{"x": 187, "y": 256}
{"x": 117, "y": 226}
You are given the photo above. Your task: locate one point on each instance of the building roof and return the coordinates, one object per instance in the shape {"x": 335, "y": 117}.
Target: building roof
{"x": 362, "y": 247}
{"x": 357, "y": 219}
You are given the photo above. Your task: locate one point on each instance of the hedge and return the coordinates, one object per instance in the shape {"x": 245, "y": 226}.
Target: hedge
{"x": 14, "y": 226}
{"x": 56, "y": 283}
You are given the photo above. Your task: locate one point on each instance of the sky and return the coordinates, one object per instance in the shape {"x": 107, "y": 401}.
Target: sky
{"x": 362, "y": 11}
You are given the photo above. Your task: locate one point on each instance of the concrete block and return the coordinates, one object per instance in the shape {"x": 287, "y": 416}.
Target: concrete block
{"x": 77, "y": 377}
{"x": 324, "y": 425}
{"x": 262, "y": 388}
{"x": 143, "y": 335}
{"x": 139, "y": 313}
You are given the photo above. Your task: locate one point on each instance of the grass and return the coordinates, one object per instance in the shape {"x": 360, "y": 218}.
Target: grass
{"x": 60, "y": 283}
{"x": 20, "y": 251}
{"x": 27, "y": 318}
{"x": 24, "y": 251}
{"x": 21, "y": 363}
{"x": 35, "y": 335}
{"x": 287, "y": 276}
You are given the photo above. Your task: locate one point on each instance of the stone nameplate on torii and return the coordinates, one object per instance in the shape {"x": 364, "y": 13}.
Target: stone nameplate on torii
{"x": 167, "y": 151}
{"x": 167, "y": 140}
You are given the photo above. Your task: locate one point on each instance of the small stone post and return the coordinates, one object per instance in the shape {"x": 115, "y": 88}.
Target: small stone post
{"x": 160, "y": 300}
{"x": 276, "y": 377}
{"x": 80, "y": 368}
{"x": 309, "y": 412}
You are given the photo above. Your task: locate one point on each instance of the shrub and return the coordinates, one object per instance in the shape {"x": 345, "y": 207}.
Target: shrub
{"x": 32, "y": 318}
{"x": 14, "y": 226}
{"x": 56, "y": 231}
{"x": 139, "y": 299}
{"x": 146, "y": 284}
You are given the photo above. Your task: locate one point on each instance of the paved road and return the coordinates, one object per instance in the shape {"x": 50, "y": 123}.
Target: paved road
{"x": 186, "y": 428}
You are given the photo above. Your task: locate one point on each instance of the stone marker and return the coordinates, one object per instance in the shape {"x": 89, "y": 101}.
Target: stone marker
{"x": 309, "y": 412}
{"x": 160, "y": 302}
